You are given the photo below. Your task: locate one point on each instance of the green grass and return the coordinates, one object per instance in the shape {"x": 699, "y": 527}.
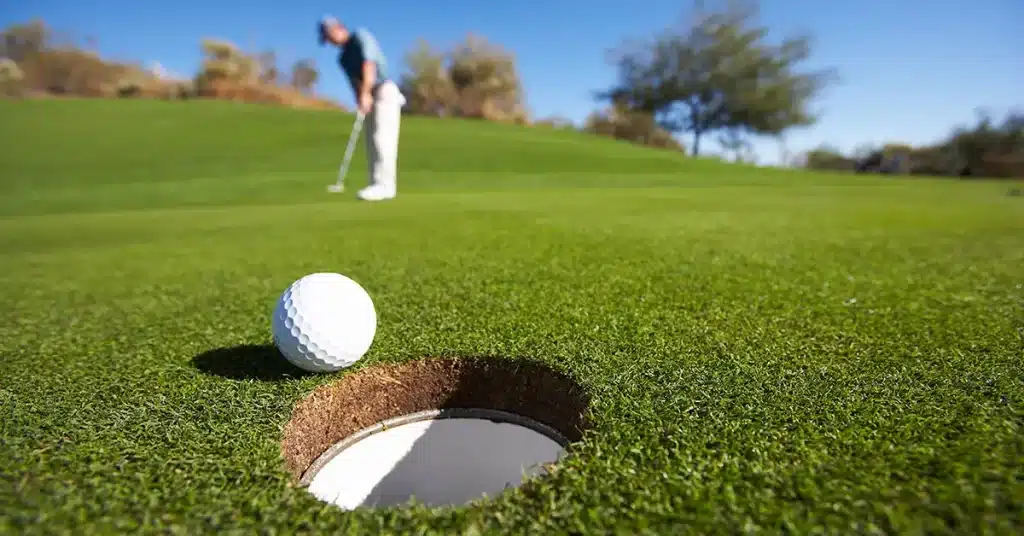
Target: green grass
{"x": 765, "y": 350}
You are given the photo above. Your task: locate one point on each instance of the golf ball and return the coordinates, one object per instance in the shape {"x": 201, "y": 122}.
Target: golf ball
{"x": 324, "y": 322}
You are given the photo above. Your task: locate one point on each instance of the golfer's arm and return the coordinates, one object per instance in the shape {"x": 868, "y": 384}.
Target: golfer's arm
{"x": 369, "y": 76}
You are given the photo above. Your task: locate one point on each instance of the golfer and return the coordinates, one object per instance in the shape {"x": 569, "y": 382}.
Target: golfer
{"x": 378, "y": 98}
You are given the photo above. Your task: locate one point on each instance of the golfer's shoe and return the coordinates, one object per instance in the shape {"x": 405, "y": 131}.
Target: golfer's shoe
{"x": 376, "y": 192}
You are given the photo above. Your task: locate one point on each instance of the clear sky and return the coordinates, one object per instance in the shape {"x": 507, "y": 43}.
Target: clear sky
{"x": 910, "y": 69}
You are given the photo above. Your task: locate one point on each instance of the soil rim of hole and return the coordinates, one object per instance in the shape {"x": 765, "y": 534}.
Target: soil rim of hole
{"x": 520, "y": 391}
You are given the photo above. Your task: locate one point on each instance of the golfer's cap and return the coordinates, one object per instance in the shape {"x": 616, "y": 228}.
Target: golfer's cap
{"x": 321, "y": 27}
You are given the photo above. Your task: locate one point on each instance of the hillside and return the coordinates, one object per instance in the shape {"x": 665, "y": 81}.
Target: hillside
{"x": 92, "y": 155}
{"x": 262, "y": 153}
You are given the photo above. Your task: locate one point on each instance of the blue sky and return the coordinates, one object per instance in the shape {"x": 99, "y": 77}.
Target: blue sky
{"x": 910, "y": 69}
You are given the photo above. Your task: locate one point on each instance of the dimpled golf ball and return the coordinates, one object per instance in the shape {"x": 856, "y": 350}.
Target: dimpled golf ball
{"x": 324, "y": 322}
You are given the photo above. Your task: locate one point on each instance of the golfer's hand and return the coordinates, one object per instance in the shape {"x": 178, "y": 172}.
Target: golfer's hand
{"x": 365, "y": 102}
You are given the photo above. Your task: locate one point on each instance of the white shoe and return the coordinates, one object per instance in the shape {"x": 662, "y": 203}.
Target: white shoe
{"x": 377, "y": 192}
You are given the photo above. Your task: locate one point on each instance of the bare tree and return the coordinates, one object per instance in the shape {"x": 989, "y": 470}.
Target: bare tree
{"x": 269, "y": 73}
{"x": 304, "y": 75}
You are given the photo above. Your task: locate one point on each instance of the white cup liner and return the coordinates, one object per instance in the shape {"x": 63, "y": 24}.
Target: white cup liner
{"x": 446, "y": 457}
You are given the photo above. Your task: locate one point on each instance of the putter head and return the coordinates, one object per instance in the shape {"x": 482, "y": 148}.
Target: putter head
{"x": 335, "y": 188}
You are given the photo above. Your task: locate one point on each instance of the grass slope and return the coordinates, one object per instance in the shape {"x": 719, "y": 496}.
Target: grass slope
{"x": 765, "y": 350}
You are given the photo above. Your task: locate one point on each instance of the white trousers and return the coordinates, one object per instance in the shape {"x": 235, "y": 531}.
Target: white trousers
{"x": 382, "y": 126}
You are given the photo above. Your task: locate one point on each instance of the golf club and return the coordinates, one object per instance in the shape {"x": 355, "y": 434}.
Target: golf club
{"x": 353, "y": 138}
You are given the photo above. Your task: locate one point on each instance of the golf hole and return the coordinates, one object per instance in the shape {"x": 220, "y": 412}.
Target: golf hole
{"x": 440, "y": 432}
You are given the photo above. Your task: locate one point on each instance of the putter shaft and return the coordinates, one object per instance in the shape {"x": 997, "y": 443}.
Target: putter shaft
{"x": 353, "y": 139}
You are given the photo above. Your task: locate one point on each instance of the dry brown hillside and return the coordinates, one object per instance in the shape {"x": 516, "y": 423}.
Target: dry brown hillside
{"x": 37, "y": 61}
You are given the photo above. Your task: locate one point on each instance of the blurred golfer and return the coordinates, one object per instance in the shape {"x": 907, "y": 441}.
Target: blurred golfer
{"x": 377, "y": 97}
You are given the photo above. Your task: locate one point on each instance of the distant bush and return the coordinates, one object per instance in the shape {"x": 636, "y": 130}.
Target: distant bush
{"x": 634, "y": 126}
{"x": 987, "y": 150}
{"x": 554, "y": 122}
{"x": 826, "y": 158}
{"x": 63, "y": 69}
{"x": 69, "y": 71}
{"x": 475, "y": 79}
{"x": 11, "y": 78}
{"x": 230, "y": 73}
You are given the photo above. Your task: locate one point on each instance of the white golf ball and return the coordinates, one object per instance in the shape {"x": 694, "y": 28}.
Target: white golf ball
{"x": 324, "y": 322}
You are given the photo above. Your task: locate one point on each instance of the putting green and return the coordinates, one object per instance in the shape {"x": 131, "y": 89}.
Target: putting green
{"x": 761, "y": 349}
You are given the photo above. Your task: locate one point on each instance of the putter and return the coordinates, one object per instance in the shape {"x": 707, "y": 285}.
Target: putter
{"x": 353, "y": 138}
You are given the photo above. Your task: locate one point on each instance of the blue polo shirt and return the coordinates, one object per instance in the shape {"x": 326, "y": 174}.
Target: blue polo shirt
{"x": 361, "y": 46}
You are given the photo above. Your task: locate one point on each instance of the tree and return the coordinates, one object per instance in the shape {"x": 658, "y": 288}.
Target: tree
{"x": 786, "y": 158}
{"x": 717, "y": 73}
{"x": 735, "y": 143}
{"x": 304, "y": 75}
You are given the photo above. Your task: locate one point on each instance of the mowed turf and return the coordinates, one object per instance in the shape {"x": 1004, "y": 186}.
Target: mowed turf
{"x": 765, "y": 351}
